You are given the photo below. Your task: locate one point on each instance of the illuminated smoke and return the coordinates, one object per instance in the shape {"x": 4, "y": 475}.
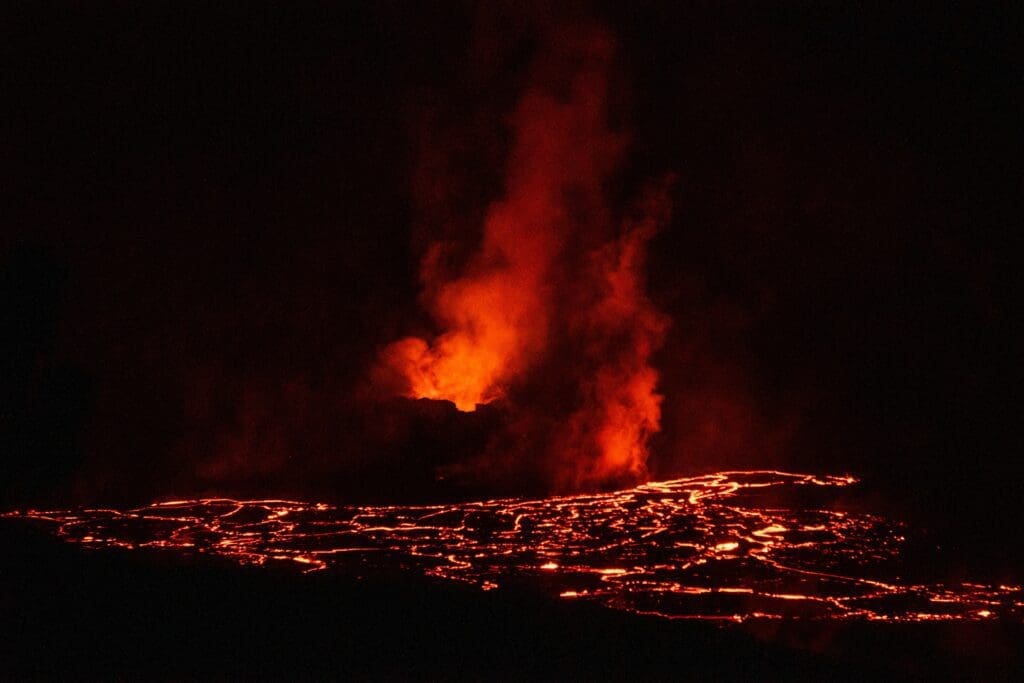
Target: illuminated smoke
{"x": 551, "y": 305}
{"x": 620, "y": 329}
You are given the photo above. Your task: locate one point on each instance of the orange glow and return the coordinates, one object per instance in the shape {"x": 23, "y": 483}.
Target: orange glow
{"x": 696, "y": 548}
{"x": 554, "y": 268}
{"x": 621, "y": 407}
{"x": 496, "y": 315}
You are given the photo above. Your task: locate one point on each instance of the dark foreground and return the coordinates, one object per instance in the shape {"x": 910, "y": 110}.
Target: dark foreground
{"x": 73, "y": 613}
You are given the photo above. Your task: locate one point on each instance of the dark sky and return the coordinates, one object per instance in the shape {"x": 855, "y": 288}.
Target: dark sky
{"x": 213, "y": 217}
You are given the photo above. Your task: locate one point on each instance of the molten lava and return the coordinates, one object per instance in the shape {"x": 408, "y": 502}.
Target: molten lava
{"x": 719, "y": 546}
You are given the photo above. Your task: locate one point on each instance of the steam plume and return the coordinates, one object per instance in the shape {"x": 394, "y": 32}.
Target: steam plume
{"x": 549, "y": 316}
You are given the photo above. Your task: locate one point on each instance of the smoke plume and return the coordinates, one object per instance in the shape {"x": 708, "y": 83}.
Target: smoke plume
{"x": 548, "y": 317}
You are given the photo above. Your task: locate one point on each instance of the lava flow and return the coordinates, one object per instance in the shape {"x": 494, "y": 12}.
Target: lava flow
{"x": 729, "y": 545}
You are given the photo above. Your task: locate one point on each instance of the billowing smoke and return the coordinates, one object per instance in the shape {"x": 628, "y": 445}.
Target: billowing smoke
{"x": 548, "y": 318}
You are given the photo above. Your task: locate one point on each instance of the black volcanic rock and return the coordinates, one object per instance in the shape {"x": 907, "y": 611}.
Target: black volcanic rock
{"x": 411, "y": 443}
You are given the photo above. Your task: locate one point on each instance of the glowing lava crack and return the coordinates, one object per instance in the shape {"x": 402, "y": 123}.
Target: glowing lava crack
{"x": 729, "y": 545}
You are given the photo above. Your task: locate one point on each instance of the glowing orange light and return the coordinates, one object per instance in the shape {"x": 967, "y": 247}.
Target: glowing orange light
{"x": 624, "y": 548}
{"x": 554, "y": 268}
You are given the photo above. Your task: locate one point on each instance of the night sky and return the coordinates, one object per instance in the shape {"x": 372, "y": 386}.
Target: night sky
{"x": 213, "y": 218}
